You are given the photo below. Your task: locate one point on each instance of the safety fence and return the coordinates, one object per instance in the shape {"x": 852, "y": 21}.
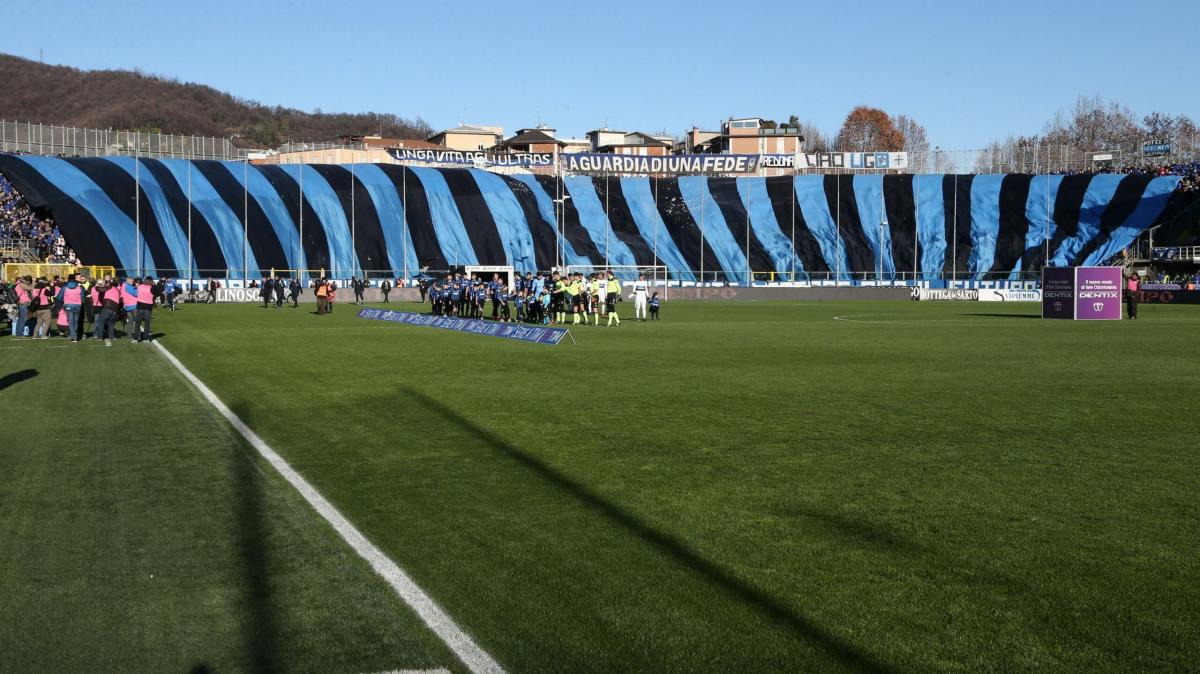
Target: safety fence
{"x": 70, "y": 141}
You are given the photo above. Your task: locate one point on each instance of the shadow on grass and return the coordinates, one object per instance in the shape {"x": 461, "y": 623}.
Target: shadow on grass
{"x": 13, "y": 378}
{"x": 259, "y": 626}
{"x": 1005, "y": 315}
{"x": 861, "y": 531}
{"x": 765, "y": 604}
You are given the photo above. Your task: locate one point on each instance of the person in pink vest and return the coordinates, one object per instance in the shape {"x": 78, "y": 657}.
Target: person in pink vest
{"x": 145, "y": 307}
{"x": 71, "y": 297}
{"x": 40, "y": 305}
{"x": 24, "y": 289}
{"x": 91, "y": 307}
{"x": 111, "y": 303}
{"x": 129, "y": 303}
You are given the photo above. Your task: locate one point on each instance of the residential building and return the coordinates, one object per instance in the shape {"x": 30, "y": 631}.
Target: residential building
{"x": 605, "y": 137}
{"x": 698, "y": 141}
{"x": 540, "y": 139}
{"x": 576, "y": 145}
{"x": 749, "y": 135}
{"x": 638, "y": 143}
{"x": 468, "y": 138}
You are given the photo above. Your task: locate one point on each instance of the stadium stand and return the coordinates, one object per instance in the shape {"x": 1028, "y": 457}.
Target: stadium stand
{"x": 24, "y": 235}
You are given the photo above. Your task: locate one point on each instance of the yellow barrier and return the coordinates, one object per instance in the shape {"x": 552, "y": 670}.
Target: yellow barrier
{"x": 14, "y": 269}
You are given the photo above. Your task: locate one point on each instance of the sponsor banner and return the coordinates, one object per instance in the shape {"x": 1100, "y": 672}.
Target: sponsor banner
{"x": 472, "y": 158}
{"x": 1156, "y": 147}
{"x": 1098, "y": 293}
{"x": 517, "y": 331}
{"x": 1004, "y": 295}
{"x": 239, "y": 294}
{"x": 969, "y": 294}
{"x": 590, "y": 162}
{"x": 1169, "y": 296}
{"x": 1058, "y": 292}
{"x": 841, "y": 160}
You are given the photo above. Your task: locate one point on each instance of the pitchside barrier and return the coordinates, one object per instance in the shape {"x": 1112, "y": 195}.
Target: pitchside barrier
{"x": 14, "y": 269}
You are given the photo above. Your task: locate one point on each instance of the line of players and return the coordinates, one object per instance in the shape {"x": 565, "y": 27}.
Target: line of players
{"x": 537, "y": 299}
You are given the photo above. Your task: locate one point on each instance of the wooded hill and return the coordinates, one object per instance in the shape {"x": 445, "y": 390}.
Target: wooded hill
{"x": 130, "y": 100}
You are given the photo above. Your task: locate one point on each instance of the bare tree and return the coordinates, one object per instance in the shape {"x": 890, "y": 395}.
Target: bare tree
{"x": 916, "y": 143}
{"x": 815, "y": 140}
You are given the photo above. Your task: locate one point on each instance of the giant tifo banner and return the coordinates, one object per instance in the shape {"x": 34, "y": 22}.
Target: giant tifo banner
{"x": 159, "y": 215}
{"x": 837, "y": 160}
{"x": 1082, "y": 293}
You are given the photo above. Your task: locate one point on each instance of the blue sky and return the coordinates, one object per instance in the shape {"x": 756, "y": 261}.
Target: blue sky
{"x": 969, "y": 72}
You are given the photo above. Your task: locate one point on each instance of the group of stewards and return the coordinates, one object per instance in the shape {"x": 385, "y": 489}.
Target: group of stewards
{"x": 65, "y": 307}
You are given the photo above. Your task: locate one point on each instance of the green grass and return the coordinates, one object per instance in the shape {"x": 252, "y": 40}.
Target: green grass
{"x": 741, "y": 487}
{"x": 156, "y": 541}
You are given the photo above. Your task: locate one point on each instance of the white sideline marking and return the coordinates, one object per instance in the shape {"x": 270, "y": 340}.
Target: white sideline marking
{"x": 471, "y": 654}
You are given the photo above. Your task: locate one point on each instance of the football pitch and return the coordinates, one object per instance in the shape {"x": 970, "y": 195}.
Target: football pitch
{"x": 741, "y": 487}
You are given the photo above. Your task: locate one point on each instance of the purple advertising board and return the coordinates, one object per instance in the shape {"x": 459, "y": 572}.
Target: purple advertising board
{"x": 1082, "y": 293}
{"x": 1058, "y": 292}
{"x": 1098, "y": 293}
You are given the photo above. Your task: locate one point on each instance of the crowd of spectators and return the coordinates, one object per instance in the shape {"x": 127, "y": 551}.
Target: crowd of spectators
{"x": 19, "y": 223}
{"x": 1189, "y": 171}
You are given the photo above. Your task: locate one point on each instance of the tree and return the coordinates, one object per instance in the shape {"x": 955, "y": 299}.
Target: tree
{"x": 868, "y": 129}
{"x": 916, "y": 144}
{"x": 1159, "y": 125}
{"x": 815, "y": 140}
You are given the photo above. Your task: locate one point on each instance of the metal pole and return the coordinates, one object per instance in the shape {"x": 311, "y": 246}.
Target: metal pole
{"x": 655, "y": 178}
{"x": 608, "y": 221}
{"x": 404, "y": 218}
{"x": 838, "y": 224}
{"x": 792, "y": 189}
{"x": 954, "y": 235}
{"x": 1046, "y": 227}
{"x": 749, "y": 271}
{"x": 300, "y": 206}
{"x": 137, "y": 210}
{"x": 191, "y": 259}
{"x": 916, "y": 223}
{"x": 701, "y": 239}
{"x": 353, "y": 220}
{"x": 245, "y": 217}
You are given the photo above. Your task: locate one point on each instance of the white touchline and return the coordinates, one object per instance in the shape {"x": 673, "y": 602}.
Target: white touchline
{"x": 471, "y": 654}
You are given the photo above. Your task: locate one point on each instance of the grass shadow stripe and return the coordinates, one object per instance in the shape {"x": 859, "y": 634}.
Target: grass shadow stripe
{"x": 476, "y": 660}
{"x": 680, "y": 551}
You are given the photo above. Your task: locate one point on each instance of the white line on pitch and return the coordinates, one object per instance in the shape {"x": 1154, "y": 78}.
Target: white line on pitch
{"x": 471, "y": 654}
